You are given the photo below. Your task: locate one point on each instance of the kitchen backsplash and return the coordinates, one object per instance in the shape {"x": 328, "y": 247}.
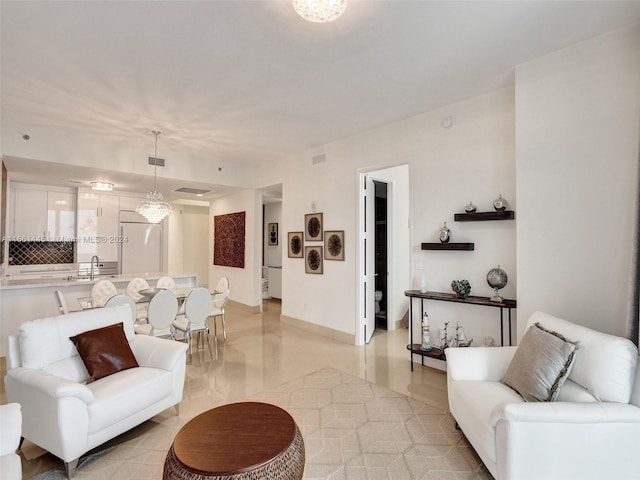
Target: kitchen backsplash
{"x": 41, "y": 253}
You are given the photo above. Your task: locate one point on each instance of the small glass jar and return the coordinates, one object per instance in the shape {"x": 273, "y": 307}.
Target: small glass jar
{"x": 445, "y": 234}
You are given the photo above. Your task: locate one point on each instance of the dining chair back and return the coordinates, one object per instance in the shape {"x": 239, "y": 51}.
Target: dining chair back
{"x": 133, "y": 287}
{"x": 162, "y": 310}
{"x": 166, "y": 282}
{"x": 197, "y": 306}
{"x": 102, "y": 291}
{"x": 123, "y": 299}
{"x": 218, "y": 305}
{"x": 60, "y": 302}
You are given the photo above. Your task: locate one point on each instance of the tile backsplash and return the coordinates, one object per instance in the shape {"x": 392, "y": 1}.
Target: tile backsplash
{"x": 41, "y": 253}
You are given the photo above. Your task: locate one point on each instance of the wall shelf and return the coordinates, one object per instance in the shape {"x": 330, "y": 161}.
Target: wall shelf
{"x": 484, "y": 216}
{"x": 448, "y": 246}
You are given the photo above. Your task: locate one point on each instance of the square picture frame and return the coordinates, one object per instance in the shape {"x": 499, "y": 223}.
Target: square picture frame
{"x": 334, "y": 245}
{"x": 313, "y": 259}
{"x": 272, "y": 234}
{"x": 295, "y": 245}
{"x": 313, "y": 227}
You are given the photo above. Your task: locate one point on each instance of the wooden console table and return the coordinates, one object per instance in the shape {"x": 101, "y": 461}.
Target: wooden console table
{"x": 452, "y": 297}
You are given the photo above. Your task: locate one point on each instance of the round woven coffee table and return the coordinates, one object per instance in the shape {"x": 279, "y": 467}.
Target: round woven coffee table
{"x": 248, "y": 440}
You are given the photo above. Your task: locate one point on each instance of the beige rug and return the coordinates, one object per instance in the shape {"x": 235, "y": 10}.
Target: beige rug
{"x": 352, "y": 429}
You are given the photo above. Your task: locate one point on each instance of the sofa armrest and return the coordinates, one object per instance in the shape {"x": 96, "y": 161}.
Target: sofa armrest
{"x": 10, "y": 428}
{"x": 158, "y": 352}
{"x": 567, "y": 412}
{"x": 478, "y": 363}
{"x": 26, "y": 382}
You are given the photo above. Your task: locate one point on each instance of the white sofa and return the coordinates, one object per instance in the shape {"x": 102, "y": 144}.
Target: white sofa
{"x": 10, "y": 428}
{"x": 590, "y": 432}
{"x": 67, "y": 416}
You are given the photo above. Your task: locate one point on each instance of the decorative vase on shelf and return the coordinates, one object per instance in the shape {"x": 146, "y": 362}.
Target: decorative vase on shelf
{"x": 445, "y": 234}
{"x": 471, "y": 208}
{"x": 500, "y": 204}
{"x": 423, "y": 282}
{"x": 497, "y": 279}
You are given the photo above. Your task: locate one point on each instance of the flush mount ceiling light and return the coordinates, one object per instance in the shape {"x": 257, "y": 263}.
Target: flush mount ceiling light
{"x": 320, "y": 11}
{"x": 102, "y": 186}
{"x": 154, "y": 209}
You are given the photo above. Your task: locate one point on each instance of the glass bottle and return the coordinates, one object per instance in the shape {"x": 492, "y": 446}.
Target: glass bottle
{"x": 426, "y": 342}
{"x": 445, "y": 233}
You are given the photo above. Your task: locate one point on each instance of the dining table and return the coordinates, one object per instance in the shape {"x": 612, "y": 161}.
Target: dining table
{"x": 146, "y": 295}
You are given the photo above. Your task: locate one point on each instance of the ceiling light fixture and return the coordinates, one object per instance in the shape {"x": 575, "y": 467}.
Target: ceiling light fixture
{"x": 154, "y": 209}
{"x": 320, "y": 11}
{"x": 102, "y": 186}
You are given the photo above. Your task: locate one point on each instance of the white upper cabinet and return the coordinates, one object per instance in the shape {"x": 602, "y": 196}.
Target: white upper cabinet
{"x": 39, "y": 214}
{"x": 98, "y": 226}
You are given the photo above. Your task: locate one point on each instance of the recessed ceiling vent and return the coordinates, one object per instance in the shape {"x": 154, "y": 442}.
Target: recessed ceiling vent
{"x": 318, "y": 159}
{"x": 158, "y": 162}
{"x": 195, "y": 191}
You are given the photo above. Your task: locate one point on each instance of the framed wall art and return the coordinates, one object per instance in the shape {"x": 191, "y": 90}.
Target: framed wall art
{"x": 228, "y": 240}
{"x": 334, "y": 245}
{"x": 313, "y": 259}
{"x": 294, "y": 245}
{"x": 273, "y": 234}
{"x": 313, "y": 227}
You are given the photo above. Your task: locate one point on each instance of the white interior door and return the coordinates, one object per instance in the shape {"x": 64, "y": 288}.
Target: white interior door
{"x": 367, "y": 257}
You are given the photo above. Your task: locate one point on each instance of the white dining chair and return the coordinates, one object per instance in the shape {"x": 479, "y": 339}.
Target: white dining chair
{"x": 166, "y": 282}
{"x": 123, "y": 299}
{"x": 133, "y": 287}
{"x": 102, "y": 291}
{"x": 218, "y": 305}
{"x": 194, "y": 320}
{"x": 60, "y": 302}
{"x": 162, "y": 310}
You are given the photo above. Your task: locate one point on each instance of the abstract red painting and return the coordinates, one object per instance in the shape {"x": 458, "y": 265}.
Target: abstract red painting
{"x": 228, "y": 240}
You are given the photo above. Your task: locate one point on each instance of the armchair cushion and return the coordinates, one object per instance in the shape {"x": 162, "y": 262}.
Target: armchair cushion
{"x": 104, "y": 351}
{"x": 540, "y": 365}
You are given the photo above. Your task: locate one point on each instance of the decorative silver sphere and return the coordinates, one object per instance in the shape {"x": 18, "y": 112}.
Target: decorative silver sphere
{"x": 497, "y": 279}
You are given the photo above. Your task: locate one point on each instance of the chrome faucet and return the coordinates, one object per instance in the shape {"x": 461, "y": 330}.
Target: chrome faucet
{"x": 97, "y": 264}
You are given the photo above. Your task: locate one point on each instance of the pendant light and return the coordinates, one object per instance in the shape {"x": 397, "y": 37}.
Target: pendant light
{"x": 320, "y": 11}
{"x": 154, "y": 209}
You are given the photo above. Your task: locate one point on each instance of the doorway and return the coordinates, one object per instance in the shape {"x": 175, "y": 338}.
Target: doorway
{"x": 380, "y": 248}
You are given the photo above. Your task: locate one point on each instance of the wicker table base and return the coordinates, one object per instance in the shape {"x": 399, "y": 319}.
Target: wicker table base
{"x": 241, "y": 441}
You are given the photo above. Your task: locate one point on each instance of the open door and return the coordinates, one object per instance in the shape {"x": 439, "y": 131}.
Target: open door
{"x": 367, "y": 258}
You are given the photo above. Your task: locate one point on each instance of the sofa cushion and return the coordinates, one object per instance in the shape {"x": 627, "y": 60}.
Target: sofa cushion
{"x": 572, "y": 392}
{"x": 540, "y": 365}
{"x": 104, "y": 351}
{"x": 605, "y": 364}
{"x": 123, "y": 394}
{"x": 46, "y": 341}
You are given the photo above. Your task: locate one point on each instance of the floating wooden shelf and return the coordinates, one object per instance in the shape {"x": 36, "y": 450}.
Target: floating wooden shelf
{"x": 448, "y": 246}
{"x": 484, "y": 216}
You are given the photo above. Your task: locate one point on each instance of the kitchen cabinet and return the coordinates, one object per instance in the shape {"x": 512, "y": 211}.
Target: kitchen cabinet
{"x": 40, "y": 215}
{"x": 98, "y": 226}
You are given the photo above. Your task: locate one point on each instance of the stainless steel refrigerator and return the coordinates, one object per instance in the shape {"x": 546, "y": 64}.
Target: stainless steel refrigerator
{"x": 141, "y": 247}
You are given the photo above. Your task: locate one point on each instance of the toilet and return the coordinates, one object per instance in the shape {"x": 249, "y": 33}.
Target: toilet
{"x": 378, "y": 297}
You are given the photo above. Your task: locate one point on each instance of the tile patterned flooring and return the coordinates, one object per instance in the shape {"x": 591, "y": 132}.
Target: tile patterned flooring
{"x": 362, "y": 412}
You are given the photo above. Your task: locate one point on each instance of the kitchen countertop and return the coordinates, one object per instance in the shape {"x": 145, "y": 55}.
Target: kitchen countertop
{"x": 15, "y": 284}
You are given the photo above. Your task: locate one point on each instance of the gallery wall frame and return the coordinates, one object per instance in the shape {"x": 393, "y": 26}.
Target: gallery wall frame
{"x": 334, "y": 245}
{"x": 273, "y": 234}
{"x": 313, "y": 227}
{"x": 313, "y": 259}
{"x": 295, "y": 245}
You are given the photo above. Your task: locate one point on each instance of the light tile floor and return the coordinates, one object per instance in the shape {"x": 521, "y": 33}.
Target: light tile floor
{"x": 261, "y": 354}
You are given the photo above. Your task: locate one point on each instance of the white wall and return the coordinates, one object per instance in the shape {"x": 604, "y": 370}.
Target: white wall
{"x": 189, "y": 241}
{"x": 474, "y": 160}
{"x": 577, "y": 117}
{"x": 244, "y": 284}
{"x": 273, "y": 253}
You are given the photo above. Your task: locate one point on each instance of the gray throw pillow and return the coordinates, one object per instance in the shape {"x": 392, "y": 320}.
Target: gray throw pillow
{"x": 540, "y": 365}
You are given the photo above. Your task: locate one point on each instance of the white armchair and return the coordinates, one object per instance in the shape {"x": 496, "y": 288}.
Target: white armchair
{"x": 65, "y": 414}
{"x": 590, "y": 432}
{"x": 10, "y": 429}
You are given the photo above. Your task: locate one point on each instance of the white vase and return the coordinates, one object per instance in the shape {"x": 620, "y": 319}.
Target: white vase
{"x": 423, "y": 283}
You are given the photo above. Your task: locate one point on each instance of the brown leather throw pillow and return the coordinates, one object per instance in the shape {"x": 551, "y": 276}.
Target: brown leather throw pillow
{"x": 104, "y": 351}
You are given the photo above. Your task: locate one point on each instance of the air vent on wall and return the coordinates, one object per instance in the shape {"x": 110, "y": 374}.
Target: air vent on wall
{"x": 158, "y": 162}
{"x": 318, "y": 159}
{"x": 195, "y": 191}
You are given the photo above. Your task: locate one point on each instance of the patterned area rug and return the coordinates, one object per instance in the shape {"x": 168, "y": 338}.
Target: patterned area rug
{"x": 352, "y": 429}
